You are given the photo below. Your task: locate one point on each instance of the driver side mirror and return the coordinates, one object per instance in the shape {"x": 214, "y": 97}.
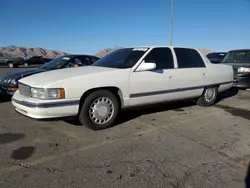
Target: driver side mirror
{"x": 146, "y": 66}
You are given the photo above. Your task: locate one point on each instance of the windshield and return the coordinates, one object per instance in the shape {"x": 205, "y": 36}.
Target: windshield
{"x": 237, "y": 57}
{"x": 121, "y": 58}
{"x": 56, "y": 63}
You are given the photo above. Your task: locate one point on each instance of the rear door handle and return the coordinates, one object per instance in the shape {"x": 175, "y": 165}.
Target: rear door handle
{"x": 171, "y": 77}
{"x": 204, "y": 74}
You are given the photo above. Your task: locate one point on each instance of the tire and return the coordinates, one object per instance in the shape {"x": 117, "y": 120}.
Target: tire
{"x": 106, "y": 101}
{"x": 10, "y": 64}
{"x": 26, "y": 64}
{"x": 208, "y": 97}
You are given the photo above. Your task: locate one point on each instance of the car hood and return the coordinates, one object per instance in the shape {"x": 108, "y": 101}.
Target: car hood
{"x": 23, "y": 73}
{"x": 236, "y": 65}
{"x": 54, "y": 76}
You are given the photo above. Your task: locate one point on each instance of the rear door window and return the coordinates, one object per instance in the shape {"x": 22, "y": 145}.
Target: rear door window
{"x": 188, "y": 58}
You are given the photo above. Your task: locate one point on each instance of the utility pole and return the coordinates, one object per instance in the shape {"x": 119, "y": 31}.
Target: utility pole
{"x": 171, "y": 21}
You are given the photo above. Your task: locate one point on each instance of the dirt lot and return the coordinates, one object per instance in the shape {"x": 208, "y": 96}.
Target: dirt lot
{"x": 171, "y": 145}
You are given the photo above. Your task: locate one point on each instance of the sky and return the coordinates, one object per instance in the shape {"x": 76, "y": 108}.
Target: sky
{"x": 88, "y": 26}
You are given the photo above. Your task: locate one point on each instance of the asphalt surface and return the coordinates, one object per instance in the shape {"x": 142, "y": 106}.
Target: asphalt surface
{"x": 170, "y": 145}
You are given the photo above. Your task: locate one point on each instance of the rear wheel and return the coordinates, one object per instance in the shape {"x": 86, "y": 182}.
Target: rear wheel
{"x": 26, "y": 64}
{"x": 99, "y": 110}
{"x": 209, "y": 96}
{"x": 10, "y": 64}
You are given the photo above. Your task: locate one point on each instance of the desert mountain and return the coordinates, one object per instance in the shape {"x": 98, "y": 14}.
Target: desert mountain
{"x": 106, "y": 51}
{"x": 205, "y": 51}
{"x": 14, "y": 51}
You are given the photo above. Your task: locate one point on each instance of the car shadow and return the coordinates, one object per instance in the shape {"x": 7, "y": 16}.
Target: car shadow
{"x": 227, "y": 94}
{"x": 132, "y": 113}
{"x": 247, "y": 179}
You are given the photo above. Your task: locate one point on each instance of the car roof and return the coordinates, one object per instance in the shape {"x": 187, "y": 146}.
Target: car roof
{"x": 217, "y": 53}
{"x": 167, "y": 46}
{"x": 74, "y": 55}
{"x": 240, "y": 50}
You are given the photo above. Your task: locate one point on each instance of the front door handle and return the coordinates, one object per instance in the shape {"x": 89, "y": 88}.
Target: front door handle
{"x": 204, "y": 74}
{"x": 171, "y": 77}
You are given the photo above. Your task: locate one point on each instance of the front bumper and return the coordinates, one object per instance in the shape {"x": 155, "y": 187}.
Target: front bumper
{"x": 2, "y": 91}
{"x": 8, "y": 90}
{"x": 41, "y": 109}
{"x": 241, "y": 81}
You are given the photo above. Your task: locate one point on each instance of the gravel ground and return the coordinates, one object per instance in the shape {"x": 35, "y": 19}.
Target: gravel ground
{"x": 170, "y": 145}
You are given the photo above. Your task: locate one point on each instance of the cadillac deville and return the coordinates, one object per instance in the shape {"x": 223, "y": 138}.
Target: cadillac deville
{"x": 124, "y": 78}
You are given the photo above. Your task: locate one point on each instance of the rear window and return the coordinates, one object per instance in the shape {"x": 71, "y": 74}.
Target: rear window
{"x": 216, "y": 55}
{"x": 237, "y": 57}
{"x": 212, "y": 55}
{"x": 221, "y": 54}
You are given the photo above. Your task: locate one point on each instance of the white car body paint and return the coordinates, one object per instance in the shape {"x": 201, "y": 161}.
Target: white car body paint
{"x": 135, "y": 88}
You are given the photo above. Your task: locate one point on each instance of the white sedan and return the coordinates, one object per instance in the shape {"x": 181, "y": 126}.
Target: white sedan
{"x": 124, "y": 78}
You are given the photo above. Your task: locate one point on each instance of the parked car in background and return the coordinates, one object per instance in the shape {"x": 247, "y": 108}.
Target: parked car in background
{"x": 2, "y": 92}
{"x": 9, "y": 83}
{"x": 10, "y": 61}
{"x": 124, "y": 78}
{"x": 216, "y": 57}
{"x": 240, "y": 60}
{"x": 36, "y": 60}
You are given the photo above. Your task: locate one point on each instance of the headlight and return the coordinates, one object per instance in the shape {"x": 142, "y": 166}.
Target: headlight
{"x": 50, "y": 93}
{"x": 38, "y": 93}
{"x": 243, "y": 69}
{"x": 55, "y": 93}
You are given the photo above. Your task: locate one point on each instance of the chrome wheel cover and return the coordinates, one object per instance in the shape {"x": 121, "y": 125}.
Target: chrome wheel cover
{"x": 209, "y": 94}
{"x": 101, "y": 110}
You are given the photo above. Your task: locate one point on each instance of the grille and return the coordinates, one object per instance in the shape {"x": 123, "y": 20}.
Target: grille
{"x": 235, "y": 70}
{"x": 24, "y": 90}
{"x": 235, "y": 74}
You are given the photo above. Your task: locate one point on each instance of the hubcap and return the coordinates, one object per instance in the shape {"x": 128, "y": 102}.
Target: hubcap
{"x": 209, "y": 94}
{"x": 101, "y": 110}
{"x": 10, "y": 65}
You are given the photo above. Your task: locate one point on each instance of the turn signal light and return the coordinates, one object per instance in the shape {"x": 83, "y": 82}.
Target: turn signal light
{"x": 12, "y": 89}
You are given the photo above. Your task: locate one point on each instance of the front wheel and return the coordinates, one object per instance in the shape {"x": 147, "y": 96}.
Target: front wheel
{"x": 10, "y": 65}
{"x": 209, "y": 96}
{"x": 99, "y": 110}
